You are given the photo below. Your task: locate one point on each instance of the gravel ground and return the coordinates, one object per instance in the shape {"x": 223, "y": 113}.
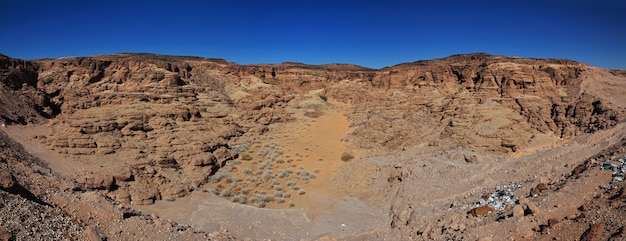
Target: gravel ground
{"x": 23, "y": 219}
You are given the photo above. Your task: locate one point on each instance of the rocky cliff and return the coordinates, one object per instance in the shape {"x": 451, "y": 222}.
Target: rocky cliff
{"x": 155, "y": 127}
{"x": 483, "y": 102}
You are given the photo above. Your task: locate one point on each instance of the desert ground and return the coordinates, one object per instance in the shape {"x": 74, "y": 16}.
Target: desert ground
{"x": 468, "y": 147}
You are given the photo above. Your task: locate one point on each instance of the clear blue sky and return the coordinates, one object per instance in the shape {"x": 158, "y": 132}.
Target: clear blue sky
{"x": 369, "y": 33}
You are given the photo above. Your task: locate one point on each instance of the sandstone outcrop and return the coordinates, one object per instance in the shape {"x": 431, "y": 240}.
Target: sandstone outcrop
{"x": 156, "y": 127}
{"x": 478, "y": 101}
{"x": 149, "y": 127}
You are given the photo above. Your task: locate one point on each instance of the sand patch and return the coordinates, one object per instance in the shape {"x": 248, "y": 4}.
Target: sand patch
{"x": 26, "y": 135}
{"x": 290, "y": 166}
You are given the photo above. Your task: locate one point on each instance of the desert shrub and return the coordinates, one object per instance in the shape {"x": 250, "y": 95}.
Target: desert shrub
{"x": 267, "y": 197}
{"x": 346, "y": 156}
{"x": 246, "y": 156}
{"x": 252, "y": 179}
{"x": 279, "y": 200}
{"x": 317, "y": 170}
{"x": 304, "y": 173}
{"x": 263, "y": 165}
{"x": 292, "y": 204}
{"x": 245, "y": 190}
{"x": 217, "y": 177}
{"x": 247, "y": 171}
{"x": 291, "y": 183}
{"x": 261, "y": 198}
{"x": 295, "y": 187}
{"x": 234, "y": 180}
{"x": 278, "y": 187}
{"x": 241, "y": 148}
{"x": 278, "y": 194}
{"x": 301, "y": 192}
{"x": 283, "y": 173}
{"x": 324, "y": 98}
{"x": 286, "y": 195}
{"x": 238, "y": 199}
{"x": 226, "y": 193}
{"x": 267, "y": 175}
{"x": 212, "y": 190}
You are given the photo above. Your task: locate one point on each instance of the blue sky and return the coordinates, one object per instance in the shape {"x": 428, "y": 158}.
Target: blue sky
{"x": 369, "y": 33}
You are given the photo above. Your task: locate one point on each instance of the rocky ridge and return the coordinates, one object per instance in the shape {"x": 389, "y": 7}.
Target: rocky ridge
{"x": 39, "y": 203}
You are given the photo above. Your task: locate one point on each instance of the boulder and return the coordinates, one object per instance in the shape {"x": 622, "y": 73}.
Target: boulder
{"x": 481, "y": 211}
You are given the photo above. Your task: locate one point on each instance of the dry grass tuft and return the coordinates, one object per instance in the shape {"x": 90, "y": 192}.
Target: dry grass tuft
{"x": 346, "y": 156}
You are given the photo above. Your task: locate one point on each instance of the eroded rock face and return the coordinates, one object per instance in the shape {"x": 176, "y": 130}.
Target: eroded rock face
{"x": 487, "y": 103}
{"x": 155, "y": 127}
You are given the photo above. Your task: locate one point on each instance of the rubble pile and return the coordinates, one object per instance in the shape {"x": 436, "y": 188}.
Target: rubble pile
{"x": 500, "y": 197}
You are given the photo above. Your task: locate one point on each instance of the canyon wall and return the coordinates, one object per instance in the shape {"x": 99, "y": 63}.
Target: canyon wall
{"x": 154, "y": 127}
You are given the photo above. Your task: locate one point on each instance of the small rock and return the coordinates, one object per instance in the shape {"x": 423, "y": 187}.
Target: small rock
{"x": 92, "y": 234}
{"x": 6, "y": 180}
{"x": 461, "y": 228}
{"x": 553, "y": 221}
{"x": 579, "y": 169}
{"x": 594, "y": 233}
{"x": 435, "y": 233}
{"x": 528, "y": 234}
{"x": 583, "y": 208}
{"x": 472, "y": 158}
{"x": 537, "y": 189}
{"x": 532, "y": 208}
{"x": 5, "y": 234}
{"x": 518, "y": 211}
{"x": 542, "y": 186}
{"x": 615, "y": 203}
{"x": 534, "y": 192}
{"x": 481, "y": 211}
